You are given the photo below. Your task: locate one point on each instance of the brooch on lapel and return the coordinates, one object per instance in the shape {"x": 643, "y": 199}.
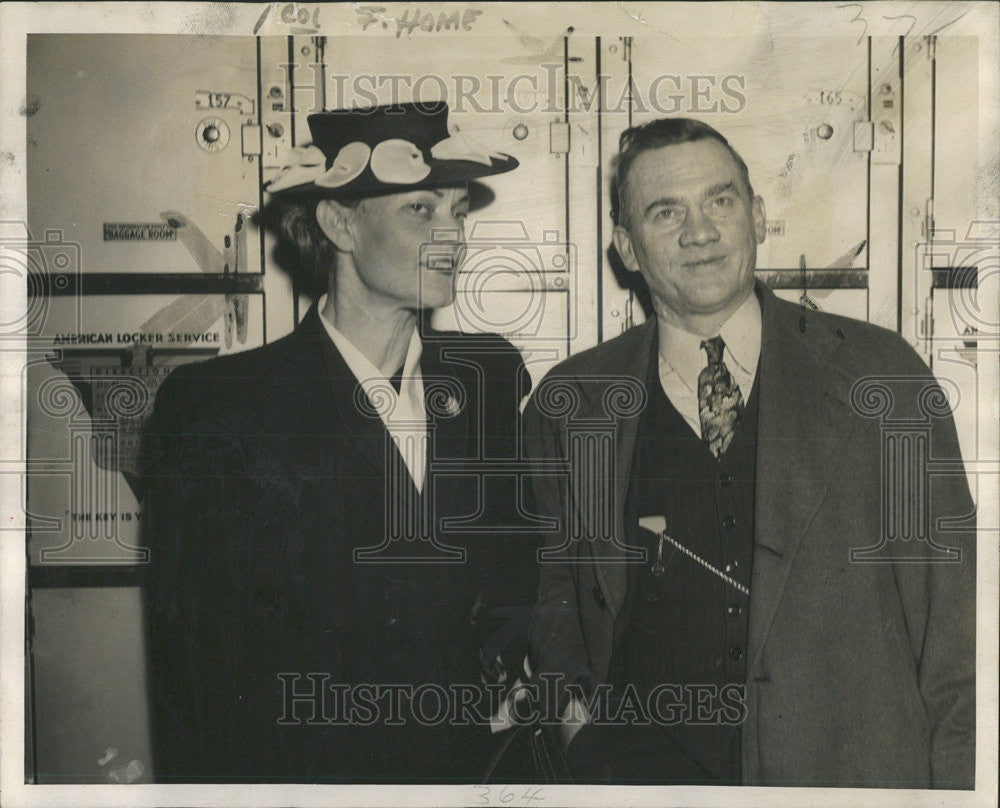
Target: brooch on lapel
{"x": 444, "y": 396}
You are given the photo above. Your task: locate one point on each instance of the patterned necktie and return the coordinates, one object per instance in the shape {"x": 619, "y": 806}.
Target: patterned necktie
{"x": 719, "y": 399}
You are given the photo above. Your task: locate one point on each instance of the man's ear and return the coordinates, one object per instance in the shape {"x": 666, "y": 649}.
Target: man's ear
{"x": 759, "y": 219}
{"x": 333, "y": 219}
{"x": 623, "y": 243}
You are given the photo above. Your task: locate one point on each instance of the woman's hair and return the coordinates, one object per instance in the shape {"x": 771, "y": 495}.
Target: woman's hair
{"x": 303, "y": 249}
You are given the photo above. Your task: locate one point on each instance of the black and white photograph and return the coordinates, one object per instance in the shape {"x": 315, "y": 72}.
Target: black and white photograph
{"x": 500, "y": 403}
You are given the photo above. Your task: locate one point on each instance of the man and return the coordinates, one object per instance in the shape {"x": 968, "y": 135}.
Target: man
{"x": 327, "y": 566}
{"x": 705, "y": 607}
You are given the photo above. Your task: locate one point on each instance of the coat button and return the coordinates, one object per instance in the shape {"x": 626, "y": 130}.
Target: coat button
{"x": 599, "y": 597}
{"x": 725, "y": 480}
{"x": 735, "y": 652}
{"x": 729, "y": 523}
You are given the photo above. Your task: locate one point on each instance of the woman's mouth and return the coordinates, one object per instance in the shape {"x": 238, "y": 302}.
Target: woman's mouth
{"x": 442, "y": 263}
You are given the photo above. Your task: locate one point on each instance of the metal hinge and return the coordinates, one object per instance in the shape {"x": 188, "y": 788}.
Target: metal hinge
{"x": 864, "y": 136}
{"x": 559, "y": 137}
{"x": 927, "y": 321}
{"x": 251, "y": 139}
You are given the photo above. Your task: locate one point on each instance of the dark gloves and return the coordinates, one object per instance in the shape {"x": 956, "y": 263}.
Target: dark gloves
{"x": 503, "y": 641}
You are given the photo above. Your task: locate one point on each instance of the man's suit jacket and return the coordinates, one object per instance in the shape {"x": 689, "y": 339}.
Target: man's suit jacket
{"x": 860, "y": 669}
{"x": 265, "y": 470}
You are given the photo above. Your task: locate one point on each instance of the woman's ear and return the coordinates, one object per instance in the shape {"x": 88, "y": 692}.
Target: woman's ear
{"x": 333, "y": 219}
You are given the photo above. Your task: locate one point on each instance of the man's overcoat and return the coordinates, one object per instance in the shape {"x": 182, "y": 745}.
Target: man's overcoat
{"x": 861, "y": 650}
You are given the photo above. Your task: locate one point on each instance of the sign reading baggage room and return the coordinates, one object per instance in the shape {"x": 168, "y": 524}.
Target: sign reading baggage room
{"x": 151, "y": 231}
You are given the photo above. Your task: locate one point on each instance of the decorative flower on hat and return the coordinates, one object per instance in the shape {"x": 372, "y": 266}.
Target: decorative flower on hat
{"x": 459, "y": 146}
{"x": 305, "y": 164}
{"x": 308, "y": 164}
{"x": 349, "y": 163}
{"x": 399, "y": 162}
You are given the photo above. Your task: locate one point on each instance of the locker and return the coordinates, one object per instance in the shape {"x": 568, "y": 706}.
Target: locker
{"x": 129, "y": 127}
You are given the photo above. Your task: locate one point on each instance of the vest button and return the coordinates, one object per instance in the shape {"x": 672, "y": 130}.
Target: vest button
{"x": 599, "y": 597}
{"x": 735, "y": 652}
{"x": 729, "y": 523}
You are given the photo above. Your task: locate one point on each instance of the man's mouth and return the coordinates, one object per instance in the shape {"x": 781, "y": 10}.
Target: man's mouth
{"x": 704, "y": 262}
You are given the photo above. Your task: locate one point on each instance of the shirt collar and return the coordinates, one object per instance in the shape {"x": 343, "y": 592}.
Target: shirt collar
{"x": 681, "y": 350}
{"x": 741, "y": 333}
{"x": 360, "y": 365}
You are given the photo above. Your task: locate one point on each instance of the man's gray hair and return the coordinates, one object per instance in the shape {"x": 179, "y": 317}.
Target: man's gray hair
{"x": 653, "y": 135}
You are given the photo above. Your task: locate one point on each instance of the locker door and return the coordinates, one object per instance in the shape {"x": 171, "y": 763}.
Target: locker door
{"x": 957, "y": 266}
{"x": 789, "y": 107}
{"x": 139, "y": 201}
{"x": 142, "y": 256}
{"x": 128, "y": 127}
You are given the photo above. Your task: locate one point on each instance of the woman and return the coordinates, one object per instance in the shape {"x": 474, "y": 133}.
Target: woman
{"x": 323, "y": 585}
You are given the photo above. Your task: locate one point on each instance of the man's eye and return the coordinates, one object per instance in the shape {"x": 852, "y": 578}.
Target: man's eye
{"x": 461, "y": 215}
{"x": 420, "y": 207}
{"x": 668, "y": 214}
{"x": 723, "y": 202}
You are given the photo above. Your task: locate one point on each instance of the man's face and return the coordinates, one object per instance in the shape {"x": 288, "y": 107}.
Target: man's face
{"x": 407, "y": 247}
{"x": 692, "y": 231}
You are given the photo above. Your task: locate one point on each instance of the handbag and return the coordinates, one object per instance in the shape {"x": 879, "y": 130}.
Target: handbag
{"x": 527, "y": 753}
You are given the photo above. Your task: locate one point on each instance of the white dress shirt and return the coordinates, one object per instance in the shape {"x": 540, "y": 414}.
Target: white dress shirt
{"x": 403, "y": 414}
{"x": 682, "y": 358}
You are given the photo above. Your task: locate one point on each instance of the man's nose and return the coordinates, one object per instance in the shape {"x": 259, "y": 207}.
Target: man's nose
{"x": 698, "y": 229}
